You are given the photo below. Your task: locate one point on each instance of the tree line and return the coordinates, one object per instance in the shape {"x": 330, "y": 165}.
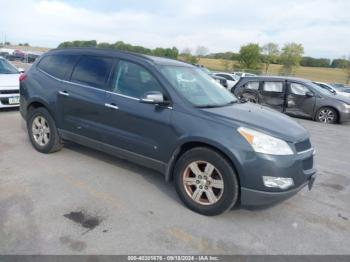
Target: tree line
{"x": 271, "y": 51}
{"x": 159, "y": 51}
{"x": 251, "y": 56}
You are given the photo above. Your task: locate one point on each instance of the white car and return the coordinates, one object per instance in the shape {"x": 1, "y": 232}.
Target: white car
{"x": 231, "y": 79}
{"x": 9, "y": 84}
{"x": 242, "y": 74}
{"x": 332, "y": 89}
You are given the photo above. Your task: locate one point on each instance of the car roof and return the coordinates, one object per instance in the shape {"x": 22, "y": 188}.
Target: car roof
{"x": 118, "y": 54}
{"x": 274, "y": 78}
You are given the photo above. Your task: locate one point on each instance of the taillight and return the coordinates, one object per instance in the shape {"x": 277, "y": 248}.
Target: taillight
{"x": 22, "y": 77}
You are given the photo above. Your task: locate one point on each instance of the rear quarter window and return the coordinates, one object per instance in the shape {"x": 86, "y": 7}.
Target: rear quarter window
{"x": 58, "y": 66}
{"x": 92, "y": 71}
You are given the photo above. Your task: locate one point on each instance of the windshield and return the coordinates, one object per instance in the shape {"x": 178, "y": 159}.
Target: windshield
{"x": 197, "y": 87}
{"x": 7, "y": 68}
{"x": 322, "y": 89}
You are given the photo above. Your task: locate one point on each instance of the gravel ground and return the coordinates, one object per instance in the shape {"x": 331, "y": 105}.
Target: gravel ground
{"x": 80, "y": 201}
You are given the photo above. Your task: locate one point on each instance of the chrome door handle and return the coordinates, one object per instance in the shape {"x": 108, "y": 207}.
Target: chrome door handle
{"x": 64, "y": 93}
{"x": 112, "y": 106}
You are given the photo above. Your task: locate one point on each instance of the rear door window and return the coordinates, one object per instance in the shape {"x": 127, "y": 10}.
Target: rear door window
{"x": 58, "y": 66}
{"x": 92, "y": 71}
{"x": 276, "y": 87}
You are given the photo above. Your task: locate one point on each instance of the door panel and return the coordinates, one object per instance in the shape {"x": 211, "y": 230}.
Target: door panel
{"x": 144, "y": 129}
{"x": 298, "y": 103}
{"x": 141, "y": 128}
{"x": 272, "y": 94}
{"x": 82, "y": 97}
{"x": 82, "y": 110}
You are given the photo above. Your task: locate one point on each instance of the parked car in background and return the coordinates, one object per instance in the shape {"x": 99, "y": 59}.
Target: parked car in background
{"x": 9, "y": 84}
{"x": 340, "y": 91}
{"x": 337, "y": 85}
{"x": 231, "y": 78}
{"x": 17, "y": 55}
{"x": 243, "y": 74}
{"x": 221, "y": 80}
{"x": 169, "y": 116}
{"x": 296, "y": 97}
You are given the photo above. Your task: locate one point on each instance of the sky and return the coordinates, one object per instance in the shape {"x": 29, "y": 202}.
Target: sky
{"x": 322, "y": 26}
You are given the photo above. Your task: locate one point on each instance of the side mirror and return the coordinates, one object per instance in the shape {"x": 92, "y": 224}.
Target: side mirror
{"x": 309, "y": 94}
{"x": 21, "y": 70}
{"x": 153, "y": 97}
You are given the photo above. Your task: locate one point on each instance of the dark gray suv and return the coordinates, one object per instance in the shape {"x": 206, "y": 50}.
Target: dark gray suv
{"x": 169, "y": 116}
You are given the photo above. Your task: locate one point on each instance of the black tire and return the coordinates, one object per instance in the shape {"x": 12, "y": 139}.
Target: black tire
{"x": 327, "y": 115}
{"x": 230, "y": 191}
{"x": 54, "y": 141}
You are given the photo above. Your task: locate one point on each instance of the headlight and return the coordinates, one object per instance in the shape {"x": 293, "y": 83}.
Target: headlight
{"x": 265, "y": 144}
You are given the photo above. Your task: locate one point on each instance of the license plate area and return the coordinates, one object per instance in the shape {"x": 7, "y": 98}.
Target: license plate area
{"x": 14, "y": 100}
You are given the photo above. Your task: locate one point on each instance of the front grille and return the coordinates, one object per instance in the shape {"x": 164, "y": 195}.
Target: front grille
{"x": 308, "y": 163}
{"x": 9, "y": 92}
{"x": 303, "y": 145}
{"x": 4, "y": 101}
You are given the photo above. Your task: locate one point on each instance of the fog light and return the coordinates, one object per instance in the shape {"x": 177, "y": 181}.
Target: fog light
{"x": 279, "y": 182}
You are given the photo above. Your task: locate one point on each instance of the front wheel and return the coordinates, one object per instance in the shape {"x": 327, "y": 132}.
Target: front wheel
{"x": 327, "y": 115}
{"x": 206, "y": 182}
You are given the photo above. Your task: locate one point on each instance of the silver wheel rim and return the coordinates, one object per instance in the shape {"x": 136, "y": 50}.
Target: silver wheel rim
{"x": 326, "y": 116}
{"x": 41, "y": 131}
{"x": 203, "y": 183}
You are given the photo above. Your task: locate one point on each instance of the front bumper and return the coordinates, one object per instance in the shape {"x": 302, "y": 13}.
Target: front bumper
{"x": 253, "y": 166}
{"x": 344, "y": 115}
{"x": 5, "y": 95}
{"x": 253, "y": 198}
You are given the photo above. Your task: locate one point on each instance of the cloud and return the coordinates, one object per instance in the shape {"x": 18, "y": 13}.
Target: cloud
{"x": 322, "y": 26}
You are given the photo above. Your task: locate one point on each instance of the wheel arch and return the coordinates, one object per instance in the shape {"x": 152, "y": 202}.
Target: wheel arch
{"x": 38, "y": 102}
{"x": 188, "y": 145}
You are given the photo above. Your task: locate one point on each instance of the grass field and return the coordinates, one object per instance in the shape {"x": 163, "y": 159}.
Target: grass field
{"x": 329, "y": 75}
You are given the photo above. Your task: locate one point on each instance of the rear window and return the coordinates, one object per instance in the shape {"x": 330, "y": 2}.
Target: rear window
{"x": 92, "y": 71}
{"x": 58, "y": 65}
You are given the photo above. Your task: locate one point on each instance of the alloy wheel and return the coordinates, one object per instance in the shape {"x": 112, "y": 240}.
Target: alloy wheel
{"x": 203, "y": 182}
{"x": 326, "y": 116}
{"x": 41, "y": 131}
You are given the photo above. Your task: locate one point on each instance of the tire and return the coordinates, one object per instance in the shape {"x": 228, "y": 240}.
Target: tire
{"x": 327, "y": 115}
{"x": 42, "y": 131}
{"x": 206, "y": 194}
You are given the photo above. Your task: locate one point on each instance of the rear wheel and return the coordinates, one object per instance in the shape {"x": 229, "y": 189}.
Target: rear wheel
{"x": 327, "y": 115}
{"x": 206, "y": 182}
{"x": 42, "y": 131}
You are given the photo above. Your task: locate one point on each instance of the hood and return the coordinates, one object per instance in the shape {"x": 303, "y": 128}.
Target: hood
{"x": 9, "y": 80}
{"x": 261, "y": 119}
{"x": 342, "y": 96}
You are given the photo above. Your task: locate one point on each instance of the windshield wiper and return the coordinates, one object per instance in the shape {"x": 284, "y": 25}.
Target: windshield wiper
{"x": 208, "y": 106}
